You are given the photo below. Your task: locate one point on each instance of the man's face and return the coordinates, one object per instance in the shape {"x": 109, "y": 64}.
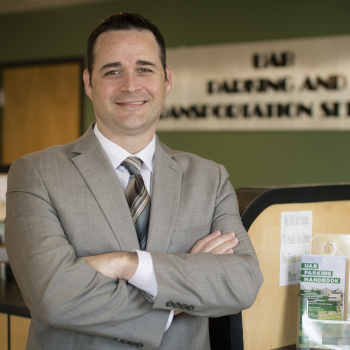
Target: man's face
{"x": 128, "y": 86}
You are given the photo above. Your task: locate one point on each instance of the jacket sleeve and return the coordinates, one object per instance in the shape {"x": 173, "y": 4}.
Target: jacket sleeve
{"x": 60, "y": 290}
{"x": 206, "y": 284}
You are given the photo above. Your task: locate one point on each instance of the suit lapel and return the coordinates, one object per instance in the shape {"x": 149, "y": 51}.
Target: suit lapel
{"x": 166, "y": 191}
{"x": 95, "y": 167}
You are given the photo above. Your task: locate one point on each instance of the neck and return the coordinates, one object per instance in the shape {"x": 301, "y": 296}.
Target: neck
{"x": 131, "y": 143}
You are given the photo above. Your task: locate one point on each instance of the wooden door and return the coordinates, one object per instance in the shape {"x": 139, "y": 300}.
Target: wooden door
{"x": 42, "y": 107}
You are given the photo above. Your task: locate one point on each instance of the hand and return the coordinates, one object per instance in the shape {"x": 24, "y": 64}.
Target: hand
{"x": 117, "y": 265}
{"x": 216, "y": 243}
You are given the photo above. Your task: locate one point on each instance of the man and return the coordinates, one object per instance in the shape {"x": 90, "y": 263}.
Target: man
{"x": 74, "y": 229}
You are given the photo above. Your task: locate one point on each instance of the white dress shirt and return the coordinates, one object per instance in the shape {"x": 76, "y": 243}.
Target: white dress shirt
{"x": 144, "y": 277}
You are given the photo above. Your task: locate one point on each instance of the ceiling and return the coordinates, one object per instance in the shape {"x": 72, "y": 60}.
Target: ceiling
{"x": 8, "y": 6}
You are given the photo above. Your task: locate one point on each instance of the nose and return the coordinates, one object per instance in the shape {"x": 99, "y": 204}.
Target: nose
{"x": 130, "y": 83}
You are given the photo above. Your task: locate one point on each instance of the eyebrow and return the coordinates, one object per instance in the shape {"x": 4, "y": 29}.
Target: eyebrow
{"x": 145, "y": 63}
{"x": 118, "y": 64}
{"x": 110, "y": 65}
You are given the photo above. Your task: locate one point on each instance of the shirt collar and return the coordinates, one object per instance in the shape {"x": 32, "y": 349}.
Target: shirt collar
{"x": 117, "y": 154}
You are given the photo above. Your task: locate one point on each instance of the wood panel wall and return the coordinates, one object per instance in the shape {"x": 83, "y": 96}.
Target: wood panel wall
{"x": 3, "y": 332}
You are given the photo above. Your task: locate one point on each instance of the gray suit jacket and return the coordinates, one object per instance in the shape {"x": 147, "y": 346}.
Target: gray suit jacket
{"x": 66, "y": 202}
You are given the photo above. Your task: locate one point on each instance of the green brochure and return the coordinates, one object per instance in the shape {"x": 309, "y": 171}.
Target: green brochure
{"x": 322, "y": 290}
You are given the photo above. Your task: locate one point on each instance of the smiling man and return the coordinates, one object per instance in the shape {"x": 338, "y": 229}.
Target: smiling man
{"x": 115, "y": 240}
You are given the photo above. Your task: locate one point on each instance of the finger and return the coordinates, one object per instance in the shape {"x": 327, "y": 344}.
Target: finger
{"x": 231, "y": 234}
{"x": 235, "y": 241}
{"x": 221, "y": 249}
{"x": 197, "y": 248}
{"x": 228, "y": 251}
{"x": 209, "y": 246}
{"x": 228, "y": 237}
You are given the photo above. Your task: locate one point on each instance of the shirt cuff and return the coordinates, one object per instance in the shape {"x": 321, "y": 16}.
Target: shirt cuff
{"x": 170, "y": 319}
{"x": 144, "y": 277}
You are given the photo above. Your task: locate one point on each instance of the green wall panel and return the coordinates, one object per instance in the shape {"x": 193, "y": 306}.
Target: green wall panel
{"x": 252, "y": 158}
{"x": 271, "y": 158}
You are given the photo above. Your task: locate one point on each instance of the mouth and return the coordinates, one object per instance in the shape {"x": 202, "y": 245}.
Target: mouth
{"x": 131, "y": 104}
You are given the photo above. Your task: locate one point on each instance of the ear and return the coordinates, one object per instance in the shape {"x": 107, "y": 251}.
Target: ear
{"x": 88, "y": 87}
{"x": 168, "y": 84}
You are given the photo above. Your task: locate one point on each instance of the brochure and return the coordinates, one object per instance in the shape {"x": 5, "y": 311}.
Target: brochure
{"x": 322, "y": 290}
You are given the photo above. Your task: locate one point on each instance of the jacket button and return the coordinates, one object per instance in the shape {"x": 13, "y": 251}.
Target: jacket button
{"x": 117, "y": 339}
{"x": 183, "y": 307}
{"x": 139, "y": 345}
{"x": 178, "y": 305}
{"x": 169, "y": 304}
{"x": 190, "y": 307}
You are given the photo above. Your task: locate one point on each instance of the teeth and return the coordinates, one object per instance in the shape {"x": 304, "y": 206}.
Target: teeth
{"x": 128, "y": 103}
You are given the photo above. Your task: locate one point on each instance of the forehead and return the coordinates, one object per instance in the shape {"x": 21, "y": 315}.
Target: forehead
{"x": 127, "y": 45}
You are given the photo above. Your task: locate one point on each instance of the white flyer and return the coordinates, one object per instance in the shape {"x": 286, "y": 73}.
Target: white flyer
{"x": 3, "y": 254}
{"x": 3, "y": 188}
{"x": 296, "y": 234}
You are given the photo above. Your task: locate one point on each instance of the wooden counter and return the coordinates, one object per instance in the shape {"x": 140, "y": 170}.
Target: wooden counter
{"x": 14, "y": 317}
{"x": 271, "y": 323}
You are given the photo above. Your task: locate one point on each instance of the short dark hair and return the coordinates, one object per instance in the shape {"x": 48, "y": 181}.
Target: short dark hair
{"x": 124, "y": 21}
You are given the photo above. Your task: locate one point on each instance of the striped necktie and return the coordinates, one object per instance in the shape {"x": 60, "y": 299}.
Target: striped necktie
{"x": 138, "y": 199}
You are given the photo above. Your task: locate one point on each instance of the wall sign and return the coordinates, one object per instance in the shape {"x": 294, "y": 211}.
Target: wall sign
{"x": 299, "y": 84}
{"x": 296, "y": 235}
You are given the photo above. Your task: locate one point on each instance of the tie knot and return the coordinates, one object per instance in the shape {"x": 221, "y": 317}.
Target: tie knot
{"x": 133, "y": 165}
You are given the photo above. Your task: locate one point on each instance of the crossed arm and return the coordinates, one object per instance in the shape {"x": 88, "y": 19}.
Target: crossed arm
{"x": 123, "y": 265}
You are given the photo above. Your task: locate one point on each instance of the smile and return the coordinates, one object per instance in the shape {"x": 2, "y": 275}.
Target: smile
{"x": 132, "y": 103}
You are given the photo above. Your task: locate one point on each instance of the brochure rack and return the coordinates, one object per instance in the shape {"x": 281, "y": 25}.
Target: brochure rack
{"x": 320, "y": 334}
{"x": 315, "y": 333}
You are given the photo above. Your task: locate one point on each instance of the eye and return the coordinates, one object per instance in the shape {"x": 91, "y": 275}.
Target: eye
{"x": 145, "y": 70}
{"x": 112, "y": 72}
